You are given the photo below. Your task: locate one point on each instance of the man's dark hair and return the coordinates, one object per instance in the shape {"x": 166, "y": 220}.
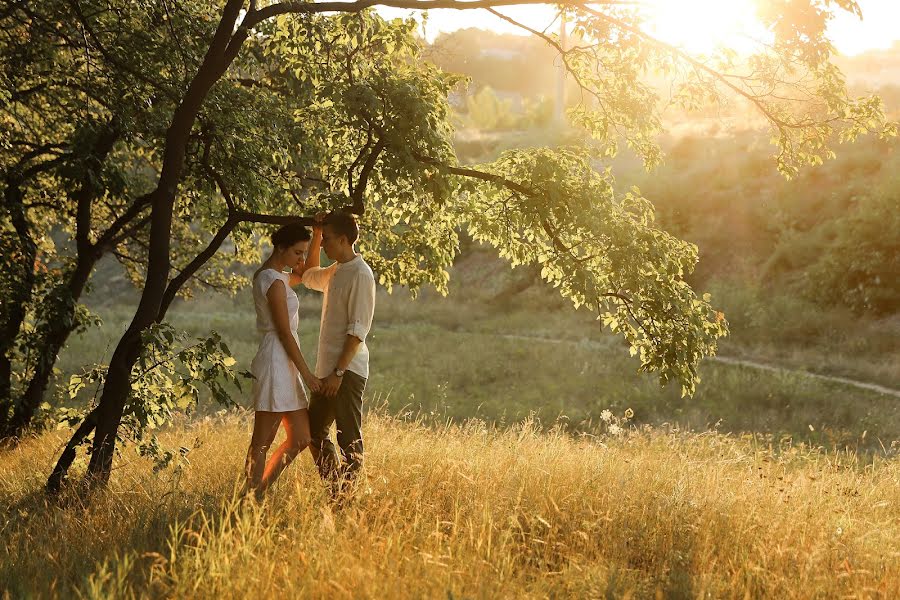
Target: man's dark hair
{"x": 290, "y": 234}
{"x": 343, "y": 224}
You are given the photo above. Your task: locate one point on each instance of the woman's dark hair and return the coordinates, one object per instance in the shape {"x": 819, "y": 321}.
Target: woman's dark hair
{"x": 290, "y": 234}
{"x": 343, "y": 224}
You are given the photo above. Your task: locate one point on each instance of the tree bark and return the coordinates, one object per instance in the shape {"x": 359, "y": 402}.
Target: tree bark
{"x": 61, "y": 470}
{"x": 18, "y": 301}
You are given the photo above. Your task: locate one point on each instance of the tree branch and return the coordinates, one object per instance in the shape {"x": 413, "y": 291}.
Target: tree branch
{"x": 111, "y": 236}
{"x": 192, "y": 267}
{"x": 359, "y": 206}
{"x": 111, "y": 58}
{"x": 129, "y": 232}
{"x": 282, "y": 8}
{"x": 674, "y": 50}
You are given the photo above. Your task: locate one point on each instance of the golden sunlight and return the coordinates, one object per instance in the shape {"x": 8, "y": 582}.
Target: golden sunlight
{"x": 700, "y": 26}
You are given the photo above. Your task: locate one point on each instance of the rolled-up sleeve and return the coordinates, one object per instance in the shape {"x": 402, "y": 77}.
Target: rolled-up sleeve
{"x": 361, "y": 306}
{"x": 317, "y": 278}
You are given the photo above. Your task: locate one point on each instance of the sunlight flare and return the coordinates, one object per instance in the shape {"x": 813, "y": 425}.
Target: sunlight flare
{"x": 701, "y": 26}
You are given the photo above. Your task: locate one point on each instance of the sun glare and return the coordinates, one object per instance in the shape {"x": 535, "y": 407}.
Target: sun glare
{"x": 700, "y": 26}
{"x": 697, "y": 26}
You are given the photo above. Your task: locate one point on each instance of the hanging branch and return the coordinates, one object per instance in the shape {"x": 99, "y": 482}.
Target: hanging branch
{"x": 359, "y": 207}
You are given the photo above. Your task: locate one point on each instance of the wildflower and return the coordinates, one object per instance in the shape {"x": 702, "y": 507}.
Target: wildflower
{"x": 615, "y": 429}
{"x": 606, "y": 415}
{"x": 629, "y": 413}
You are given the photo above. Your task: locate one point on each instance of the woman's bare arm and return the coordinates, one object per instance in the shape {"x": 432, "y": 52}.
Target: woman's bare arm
{"x": 313, "y": 257}
{"x": 277, "y": 299}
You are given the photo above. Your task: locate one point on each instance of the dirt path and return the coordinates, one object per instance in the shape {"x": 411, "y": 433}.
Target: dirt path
{"x": 874, "y": 387}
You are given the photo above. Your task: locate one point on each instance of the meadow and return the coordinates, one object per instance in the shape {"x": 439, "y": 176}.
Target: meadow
{"x": 465, "y": 356}
{"x": 513, "y": 450}
{"x": 466, "y": 511}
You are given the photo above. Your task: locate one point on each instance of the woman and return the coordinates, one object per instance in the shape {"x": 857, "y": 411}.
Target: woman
{"x": 278, "y": 394}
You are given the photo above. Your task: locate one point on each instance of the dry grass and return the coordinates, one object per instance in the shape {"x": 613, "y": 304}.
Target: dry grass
{"x": 466, "y": 511}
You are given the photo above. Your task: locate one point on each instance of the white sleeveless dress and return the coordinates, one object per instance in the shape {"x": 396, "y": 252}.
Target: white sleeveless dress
{"x": 278, "y": 386}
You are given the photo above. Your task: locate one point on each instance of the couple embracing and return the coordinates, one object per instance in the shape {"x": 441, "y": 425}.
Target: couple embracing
{"x": 342, "y": 360}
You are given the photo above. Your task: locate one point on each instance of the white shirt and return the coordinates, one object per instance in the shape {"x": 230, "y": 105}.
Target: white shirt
{"x": 347, "y": 309}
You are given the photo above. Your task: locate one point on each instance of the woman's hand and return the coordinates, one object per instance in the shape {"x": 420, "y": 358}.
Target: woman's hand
{"x": 312, "y": 382}
{"x": 317, "y": 225}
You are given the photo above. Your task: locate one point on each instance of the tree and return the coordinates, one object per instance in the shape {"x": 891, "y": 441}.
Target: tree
{"x": 372, "y": 122}
{"x": 55, "y": 146}
{"x": 90, "y": 128}
{"x": 93, "y": 124}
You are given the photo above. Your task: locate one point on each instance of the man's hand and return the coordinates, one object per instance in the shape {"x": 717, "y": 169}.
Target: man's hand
{"x": 331, "y": 385}
{"x": 312, "y": 382}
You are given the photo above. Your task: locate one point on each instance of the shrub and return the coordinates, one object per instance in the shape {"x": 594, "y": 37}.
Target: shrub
{"x": 861, "y": 265}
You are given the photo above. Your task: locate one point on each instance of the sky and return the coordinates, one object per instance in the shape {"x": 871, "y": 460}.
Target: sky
{"x": 675, "y": 21}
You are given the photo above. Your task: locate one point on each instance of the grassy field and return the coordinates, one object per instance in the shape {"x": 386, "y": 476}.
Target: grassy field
{"x": 466, "y": 511}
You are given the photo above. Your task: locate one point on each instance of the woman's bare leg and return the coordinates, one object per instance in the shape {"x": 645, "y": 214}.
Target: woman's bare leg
{"x": 296, "y": 426}
{"x": 265, "y": 426}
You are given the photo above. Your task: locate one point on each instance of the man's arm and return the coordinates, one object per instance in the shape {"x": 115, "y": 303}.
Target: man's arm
{"x": 351, "y": 345}
{"x": 332, "y": 383}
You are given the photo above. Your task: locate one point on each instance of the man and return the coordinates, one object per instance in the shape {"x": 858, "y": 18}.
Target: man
{"x": 342, "y": 362}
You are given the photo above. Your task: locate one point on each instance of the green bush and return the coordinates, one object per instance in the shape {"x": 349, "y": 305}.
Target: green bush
{"x": 486, "y": 111}
{"x": 860, "y": 267}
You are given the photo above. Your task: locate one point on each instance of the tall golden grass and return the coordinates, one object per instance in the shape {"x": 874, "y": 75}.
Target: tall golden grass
{"x": 465, "y": 511}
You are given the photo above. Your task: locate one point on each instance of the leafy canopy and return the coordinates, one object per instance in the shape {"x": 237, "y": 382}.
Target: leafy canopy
{"x": 557, "y": 207}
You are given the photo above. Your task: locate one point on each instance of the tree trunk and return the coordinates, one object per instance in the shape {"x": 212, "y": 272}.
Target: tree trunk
{"x": 58, "y": 325}
{"x": 19, "y": 297}
{"x": 117, "y": 387}
{"x": 61, "y": 470}
{"x": 58, "y": 330}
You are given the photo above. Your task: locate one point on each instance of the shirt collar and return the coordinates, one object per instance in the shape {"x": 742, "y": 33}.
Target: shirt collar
{"x": 352, "y": 261}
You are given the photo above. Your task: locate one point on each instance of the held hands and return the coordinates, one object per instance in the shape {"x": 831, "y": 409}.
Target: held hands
{"x": 331, "y": 385}
{"x": 328, "y": 386}
{"x": 312, "y": 382}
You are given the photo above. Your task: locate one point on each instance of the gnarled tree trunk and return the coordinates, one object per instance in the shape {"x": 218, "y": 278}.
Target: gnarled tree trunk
{"x": 58, "y": 331}
{"x": 19, "y": 296}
